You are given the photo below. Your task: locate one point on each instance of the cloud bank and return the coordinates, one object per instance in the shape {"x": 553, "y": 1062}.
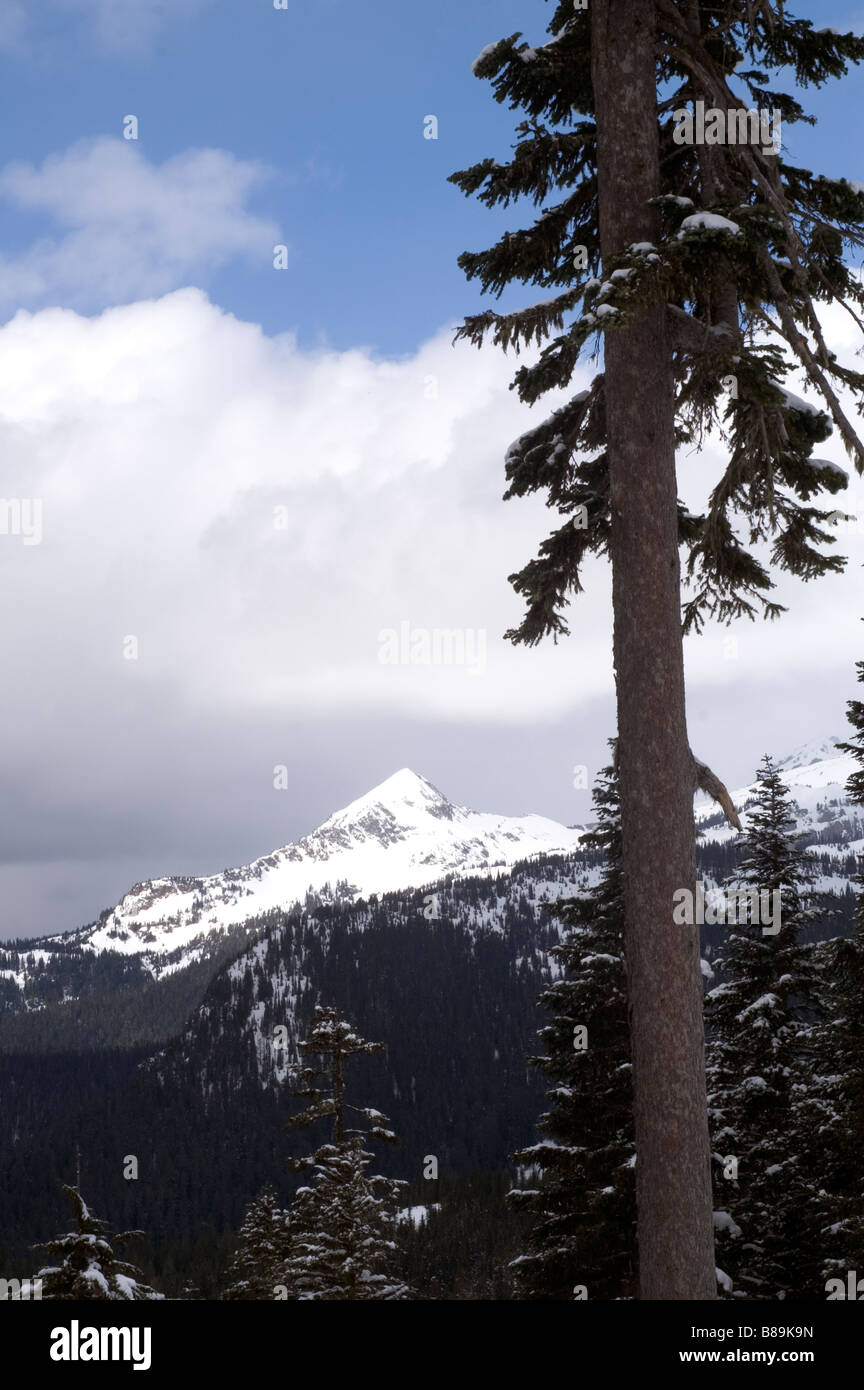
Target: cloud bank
{"x": 128, "y": 228}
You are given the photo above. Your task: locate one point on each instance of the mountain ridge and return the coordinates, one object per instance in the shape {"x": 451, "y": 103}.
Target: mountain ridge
{"x": 403, "y": 833}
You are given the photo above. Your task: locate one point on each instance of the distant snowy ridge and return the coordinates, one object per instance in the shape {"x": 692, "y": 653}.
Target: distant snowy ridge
{"x": 816, "y": 775}
{"x": 830, "y": 824}
{"x": 402, "y": 834}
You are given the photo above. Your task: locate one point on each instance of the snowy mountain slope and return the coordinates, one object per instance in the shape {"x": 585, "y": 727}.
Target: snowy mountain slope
{"x": 830, "y": 824}
{"x": 452, "y": 994}
{"x": 816, "y": 775}
{"x": 402, "y": 834}
{"x": 270, "y": 988}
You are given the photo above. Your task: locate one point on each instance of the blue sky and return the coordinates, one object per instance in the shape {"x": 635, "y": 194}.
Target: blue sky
{"x": 168, "y": 395}
{"x": 329, "y": 98}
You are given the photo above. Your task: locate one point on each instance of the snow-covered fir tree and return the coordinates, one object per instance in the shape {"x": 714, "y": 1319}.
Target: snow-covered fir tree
{"x": 842, "y": 1051}
{"x": 341, "y": 1234}
{"x": 765, "y": 1102}
{"x": 582, "y": 1193}
{"x": 669, "y": 230}
{"x": 83, "y": 1262}
{"x": 256, "y": 1270}
{"x": 342, "y": 1225}
{"x": 746, "y": 245}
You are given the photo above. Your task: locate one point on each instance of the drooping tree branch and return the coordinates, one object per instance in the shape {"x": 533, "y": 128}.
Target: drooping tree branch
{"x": 707, "y": 781}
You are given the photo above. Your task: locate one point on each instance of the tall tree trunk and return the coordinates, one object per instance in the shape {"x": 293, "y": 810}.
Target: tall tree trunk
{"x": 673, "y": 1174}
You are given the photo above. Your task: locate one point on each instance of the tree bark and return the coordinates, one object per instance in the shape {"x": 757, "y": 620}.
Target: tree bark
{"x": 673, "y": 1173}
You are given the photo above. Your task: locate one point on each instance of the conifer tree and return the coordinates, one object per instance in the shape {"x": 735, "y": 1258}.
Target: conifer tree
{"x": 842, "y": 1206}
{"x": 698, "y": 266}
{"x": 765, "y": 1102}
{"x": 84, "y": 1263}
{"x": 341, "y": 1235}
{"x": 341, "y": 1228}
{"x": 256, "y": 1269}
{"x": 583, "y": 1204}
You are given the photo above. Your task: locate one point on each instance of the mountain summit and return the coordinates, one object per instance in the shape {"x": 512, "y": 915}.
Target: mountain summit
{"x": 403, "y": 833}
{"x": 816, "y": 775}
{"x": 818, "y": 750}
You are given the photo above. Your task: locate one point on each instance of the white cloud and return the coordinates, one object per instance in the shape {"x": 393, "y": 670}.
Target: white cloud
{"x": 162, "y": 437}
{"x": 117, "y": 25}
{"x": 130, "y": 228}
{"x": 128, "y": 23}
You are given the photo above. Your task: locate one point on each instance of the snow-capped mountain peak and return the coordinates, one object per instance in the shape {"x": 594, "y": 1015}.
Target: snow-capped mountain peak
{"x": 402, "y": 834}
{"x": 818, "y": 750}
{"x": 405, "y": 834}
{"x": 402, "y": 801}
{"x": 816, "y": 775}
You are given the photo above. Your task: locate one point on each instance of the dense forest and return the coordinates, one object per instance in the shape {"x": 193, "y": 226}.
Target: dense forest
{"x": 457, "y": 992}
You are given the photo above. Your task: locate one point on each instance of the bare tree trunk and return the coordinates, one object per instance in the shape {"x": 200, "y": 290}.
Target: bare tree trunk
{"x": 673, "y": 1175}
